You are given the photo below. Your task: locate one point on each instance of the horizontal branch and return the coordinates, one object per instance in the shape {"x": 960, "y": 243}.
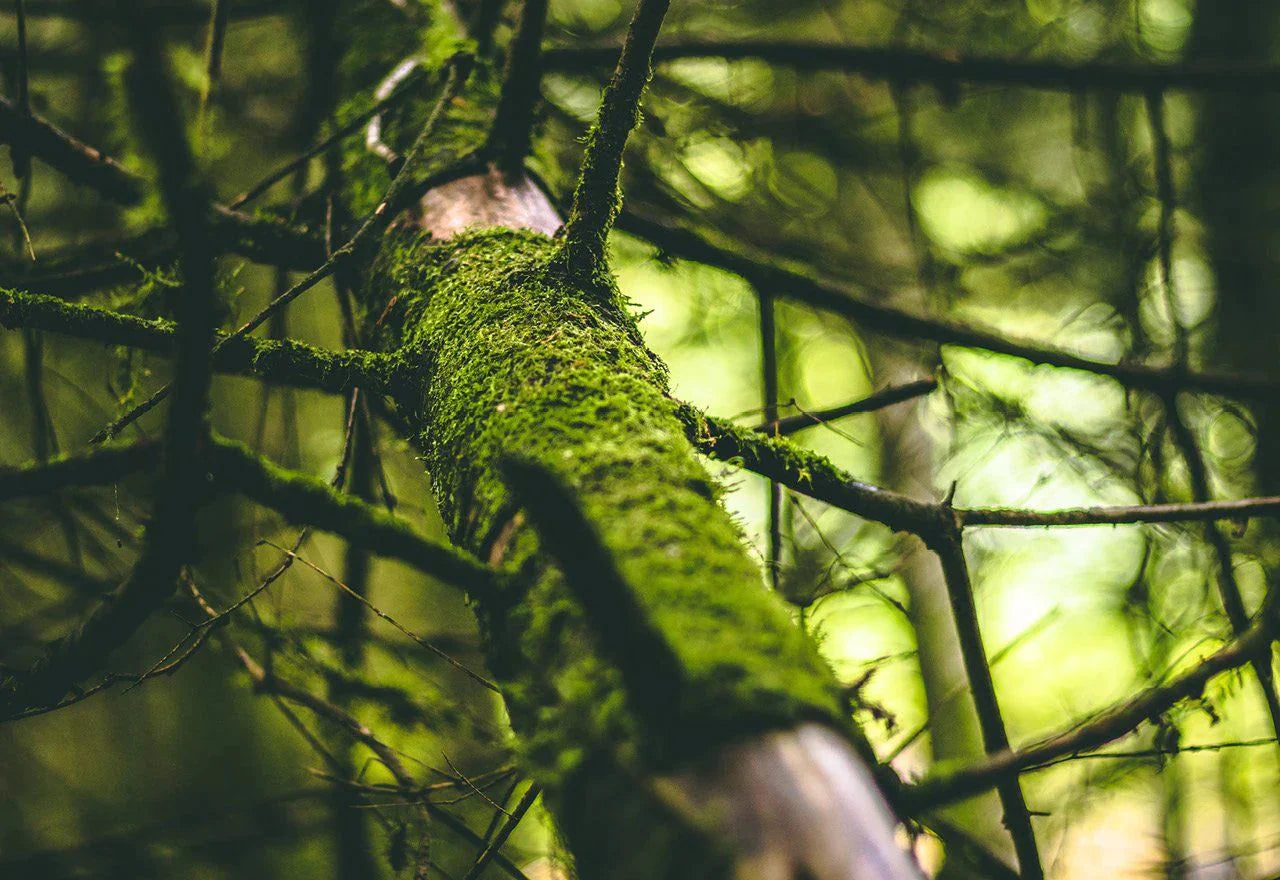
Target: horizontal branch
{"x": 901, "y": 65}
{"x": 1205, "y": 511}
{"x": 807, "y": 472}
{"x": 872, "y": 402}
{"x": 97, "y": 467}
{"x": 772, "y": 273}
{"x": 1111, "y": 725}
{"x": 814, "y": 475}
{"x": 304, "y": 500}
{"x": 280, "y": 361}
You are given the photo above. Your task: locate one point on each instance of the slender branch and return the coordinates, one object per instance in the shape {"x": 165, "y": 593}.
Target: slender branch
{"x": 526, "y": 801}
{"x": 868, "y": 309}
{"x": 901, "y": 65}
{"x": 596, "y": 199}
{"x": 219, "y": 15}
{"x": 769, "y": 384}
{"x": 1111, "y": 725}
{"x": 872, "y": 402}
{"x": 1206, "y": 511}
{"x": 512, "y": 129}
{"x": 304, "y": 500}
{"x": 814, "y": 475}
{"x": 280, "y": 361}
{"x": 947, "y": 544}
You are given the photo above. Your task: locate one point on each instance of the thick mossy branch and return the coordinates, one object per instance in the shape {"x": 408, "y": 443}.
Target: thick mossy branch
{"x": 304, "y": 500}
{"x": 597, "y": 199}
{"x": 283, "y": 362}
{"x": 520, "y": 361}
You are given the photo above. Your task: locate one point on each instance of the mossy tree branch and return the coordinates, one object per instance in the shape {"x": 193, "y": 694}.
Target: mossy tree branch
{"x": 596, "y": 199}
{"x": 284, "y": 362}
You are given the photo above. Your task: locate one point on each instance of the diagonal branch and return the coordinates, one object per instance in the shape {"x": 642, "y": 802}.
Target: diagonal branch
{"x": 1110, "y": 725}
{"x": 781, "y": 427}
{"x": 772, "y": 273}
{"x": 596, "y": 199}
{"x": 947, "y": 544}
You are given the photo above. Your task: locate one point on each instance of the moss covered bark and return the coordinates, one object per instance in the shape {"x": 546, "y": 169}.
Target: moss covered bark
{"x": 518, "y": 361}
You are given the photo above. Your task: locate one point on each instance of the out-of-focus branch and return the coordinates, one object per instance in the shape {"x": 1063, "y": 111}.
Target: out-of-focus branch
{"x": 512, "y": 127}
{"x": 902, "y": 65}
{"x": 773, "y": 273}
{"x": 781, "y": 427}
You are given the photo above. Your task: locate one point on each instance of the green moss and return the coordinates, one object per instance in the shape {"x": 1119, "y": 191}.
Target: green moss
{"x": 519, "y": 362}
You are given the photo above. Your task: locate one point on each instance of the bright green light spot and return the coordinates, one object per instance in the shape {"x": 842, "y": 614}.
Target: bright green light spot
{"x": 965, "y": 214}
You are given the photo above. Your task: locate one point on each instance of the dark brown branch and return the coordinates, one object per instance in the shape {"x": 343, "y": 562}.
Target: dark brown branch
{"x": 512, "y": 129}
{"x": 872, "y": 402}
{"x": 526, "y": 801}
{"x": 1240, "y": 509}
{"x": 947, "y": 544}
{"x": 901, "y": 65}
{"x": 596, "y": 200}
{"x": 773, "y": 273}
{"x": 1110, "y": 725}
{"x": 79, "y": 162}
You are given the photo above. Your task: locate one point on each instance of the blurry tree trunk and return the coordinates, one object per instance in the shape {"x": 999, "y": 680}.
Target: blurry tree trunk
{"x": 954, "y": 733}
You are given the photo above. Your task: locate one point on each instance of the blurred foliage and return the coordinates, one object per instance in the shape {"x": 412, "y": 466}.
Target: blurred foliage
{"x": 1031, "y": 211}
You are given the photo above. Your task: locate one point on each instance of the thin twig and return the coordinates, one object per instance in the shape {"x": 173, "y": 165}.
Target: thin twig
{"x": 783, "y": 427}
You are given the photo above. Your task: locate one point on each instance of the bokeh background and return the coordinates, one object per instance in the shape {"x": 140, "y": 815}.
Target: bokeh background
{"x": 1035, "y": 212}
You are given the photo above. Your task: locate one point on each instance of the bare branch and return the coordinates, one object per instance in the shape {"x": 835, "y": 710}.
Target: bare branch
{"x": 902, "y": 65}
{"x": 773, "y": 273}
{"x": 872, "y": 402}
{"x": 947, "y": 544}
{"x": 1110, "y": 725}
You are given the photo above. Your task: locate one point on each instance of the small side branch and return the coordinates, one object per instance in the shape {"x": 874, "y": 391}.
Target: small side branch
{"x": 98, "y": 467}
{"x": 872, "y": 402}
{"x": 79, "y": 162}
{"x": 596, "y": 199}
{"x": 947, "y": 544}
